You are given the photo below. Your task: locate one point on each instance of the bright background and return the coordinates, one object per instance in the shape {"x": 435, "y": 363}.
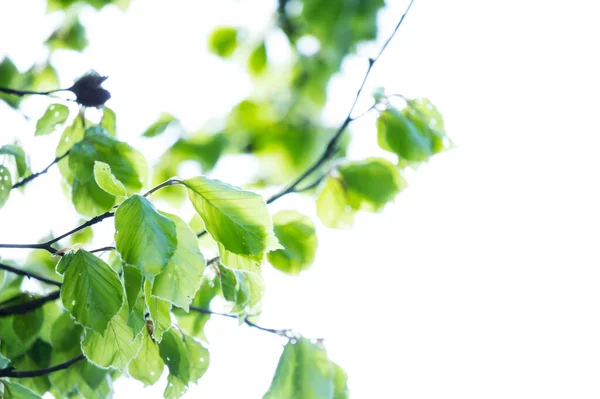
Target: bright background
{"x": 480, "y": 281}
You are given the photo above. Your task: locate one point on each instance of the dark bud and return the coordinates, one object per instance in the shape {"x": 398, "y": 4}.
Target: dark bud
{"x": 88, "y": 90}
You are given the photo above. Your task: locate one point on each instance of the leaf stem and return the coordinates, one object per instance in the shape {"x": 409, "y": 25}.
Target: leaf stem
{"x": 12, "y": 373}
{"x": 27, "y": 274}
{"x": 170, "y": 182}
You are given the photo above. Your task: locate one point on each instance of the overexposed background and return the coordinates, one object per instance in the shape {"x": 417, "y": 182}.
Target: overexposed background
{"x": 480, "y": 281}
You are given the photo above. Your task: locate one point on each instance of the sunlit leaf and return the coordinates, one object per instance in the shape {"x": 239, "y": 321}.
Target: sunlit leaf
{"x": 147, "y": 366}
{"x": 223, "y": 41}
{"x": 70, "y": 35}
{"x": 399, "y": 134}
{"x": 109, "y": 121}
{"x": 333, "y": 206}
{"x": 159, "y": 127}
{"x": 56, "y": 114}
{"x": 37, "y": 357}
{"x": 144, "y": 237}
{"x": 107, "y": 181}
{"x": 160, "y": 312}
{"x": 91, "y": 290}
{"x": 13, "y": 390}
{"x": 174, "y": 354}
{"x": 257, "y": 62}
{"x": 20, "y": 158}
{"x": 5, "y": 185}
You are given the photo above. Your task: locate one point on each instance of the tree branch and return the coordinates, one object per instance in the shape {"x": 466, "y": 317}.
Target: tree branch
{"x": 29, "y": 275}
{"x": 28, "y": 306}
{"x": 284, "y": 333}
{"x": 22, "y": 93}
{"x": 92, "y": 221}
{"x": 29, "y": 178}
{"x": 110, "y": 248}
{"x": 331, "y": 146}
{"x": 12, "y": 373}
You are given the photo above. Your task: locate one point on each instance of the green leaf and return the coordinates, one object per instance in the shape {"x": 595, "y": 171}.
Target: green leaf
{"x": 374, "y": 181}
{"x": 160, "y": 312}
{"x": 137, "y": 311}
{"x": 133, "y": 284}
{"x": 147, "y": 366}
{"x": 180, "y": 279}
{"x": 20, "y": 158}
{"x": 199, "y": 358}
{"x": 175, "y": 389}
{"x": 144, "y": 237}
{"x": 174, "y": 354}
{"x": 37, "y": 357}
{"x": 5, "y": 185}
{"x": 107, "y": 181}
{"x": 115, "y": 347}
{"x": 12, "y": 390}
{"x": 109, "y": 121}
{"x": 91, "y": 290}
{"x": 399, "y": 134}
{"x": 95, "y": 383}
{"x": 333, "y": 207}
{"x": 429, "y": 121}
{"x": 296, "y": 233}
{"x": 238, "y": 219}
{"x": 194, "y": 322}
{"x": 257, "y": 62}
{"x": 159, "y": 127}
{"x": 304, "y": 371}
{"x": 70, "y": 35}
{"x": 223, "y": 41}
{"x": 51, "y": 313}
{"x": 4, "y": 361}
{"x": 19, "y": 332}
{"x": 12, "y": 78}
{"x": 56, "y": 114}
{"x": 64, "y": 332}
{"x": 340, "y": 382}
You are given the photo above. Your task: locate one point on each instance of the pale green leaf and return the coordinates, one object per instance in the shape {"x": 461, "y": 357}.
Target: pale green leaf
{"x": 180, "y": 279}
{"x": 296, "y": 233}
{"x": 144, "y": 237}
{"x": 5, "y": 185}
{"x": 109, "y": 121}
{"x": 115, "y": 347}
{"x": 199, "y": 358}
{"x": 20, "y": 158}
{"x": 12, "y": 390}
{"x": 4, "y": 361}
{"x": 147, "y": 366}
{"x": 237, "y": 219}
{"x": 91, "y": 290}
{"x": 399, "y": 134}
{"x": 223, "y": 41}
{"x": 56, "y": 114}
{"x": 175, "y": 389}
{"x": 64, "y": 332}
{"x": 333, "y": 207}
{"x": 160, "y": 312}
{"x": 159, "y": 127}
{"x": 107, "y": 181}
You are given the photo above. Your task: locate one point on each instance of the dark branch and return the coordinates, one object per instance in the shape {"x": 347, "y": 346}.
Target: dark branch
{"x": 29, "y": 275}
{"x": 22, "y": 93}
{"x": 35, "y": 175}
{"x": 92, "y": 221}
{"x": 28, "y": 306}
{"x": 12, "y": 373}
{"x": 331, "y": 146}
{"x": 284, "y": 333}
{"x": 103, "y": 249}
{"x": 44, "y": 245}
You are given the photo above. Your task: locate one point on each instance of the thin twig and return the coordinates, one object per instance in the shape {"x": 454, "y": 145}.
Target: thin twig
{"x": 12, "y": 373}
{"x": 22, "y": 93}
{"x": 28, "y": 306}
{"x": 330, "y": 149}
{"x": 103, "y": 249}
{"x": 170, "y": 182}
{"x": 44, "y": 245}
{"x": 92, "y": 221}
{"x": 35, "y": 175}
{"x": 29, "y": 275}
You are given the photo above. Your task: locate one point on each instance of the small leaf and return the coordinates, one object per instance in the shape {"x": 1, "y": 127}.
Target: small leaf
{"x": 12, "y": 390}
{"x": 144, "y": 237}
{"x": 257, "y": 62}
{"x": 147, "y": 366}
{"x": 20, "y": 158}
{"x": 133, "y": 284}
{"x": 399, "y": 134}
{"x": 160, "y": 312}
{"x": 115, "y": 347}
{"x": 175, "y": 389}
{"x": 199, "y": 358}
{"x": 107, "y": 181}
{"x": 333, "y": 206}
{"x": 159, "y": 127}
{"x": 70, "y": 35}
{"x": 56, "y": 114}
{"x": 109, "y": 121}
{"x": 180, "y": 279}
{"x": 5, "y": 185}
{"x": 223, "y": 41}
{"x": 174, "y": 354}
{"x": 238, "y": 219}
{"x": 296, "y": 233}
{"x": 91, "y": 290}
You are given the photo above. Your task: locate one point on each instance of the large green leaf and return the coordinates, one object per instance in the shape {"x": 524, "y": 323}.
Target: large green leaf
{"x": 305, "y": 372}
{"x": 399, "y": 134}
{"x": 180, "y": 279}
{"x": 107, "y": 181}
{"x": 13, "y": 390}
{"x": 333, "y": 207}
{"x": 56, "y": 114}
{"x": 199, "y": 358}
{"x": 174, "y": 353}
{"x": 5, "y": 185}
{"x": 374, "y": 181}
{"x": 144, "y": 237}
{"x": 238, "y": 219}
{"x": 115, "y": 347}
{"x": 160, "y": 312}
{"x": 91, "y": 290}
{"x": 147, "y": 366}
{"x": 296, "y": 233}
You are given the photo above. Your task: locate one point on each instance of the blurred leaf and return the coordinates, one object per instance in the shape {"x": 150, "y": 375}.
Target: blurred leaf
{"x": 160, "y": 312}
{"x": 223, "y": 41}
{"x": 10, "y": 77}
{"x": 37, "y": 357}
{"x": 20, "y": 331}
{"x": 56, "y": 114}
{"x": 296, "y": 233}
{"x": 115, "y": 347}
{"x": 144, "y": 237}
{"x": 425, "y": 116}
{"x": 257, "y": 62}
{"x": 194, "y": 322}
{"x": 398, "y": 134}
{"x": 109, "y": 121}
{"x": 64, "y": 332}
{"x": 147, "y": 366}
{"x": 374, "y": 181}
{"x": 340, "y": 382}
{"x": 238, "y": 219}
{"x": 21, "y": 160}
{"x": 333, "y": 206}
{"x": 5, "y": 185}
{"x": 91, "y": 290}
{"x": 4, "y": 361}
{"x": 107, "y": 181}
{"x": 159, "y": 127}
{"x": 70, "y": 35}
{"x": 12, "y": 390}
{"x": 180, "y": 279}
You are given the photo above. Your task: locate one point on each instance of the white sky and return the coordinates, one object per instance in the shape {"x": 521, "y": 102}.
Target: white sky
{"x": 481, "y": 280}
